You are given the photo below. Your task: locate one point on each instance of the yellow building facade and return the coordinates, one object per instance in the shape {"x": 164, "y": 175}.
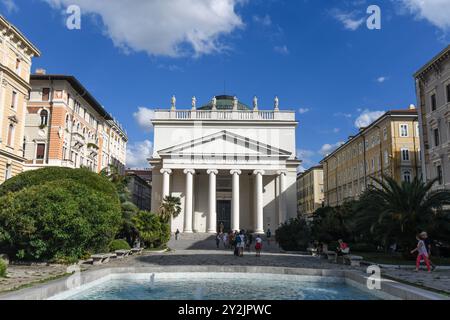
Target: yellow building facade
{"x": 16, "y": 53}
{"x": 310, "y": 190}
{"x": 390, "y": 145}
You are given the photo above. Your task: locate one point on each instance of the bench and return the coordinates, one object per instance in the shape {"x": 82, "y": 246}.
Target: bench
{"x": 354, "y": 261}
{"x": 100, "y": 258}
{"x": 137, "y": 250}
{"x": 122, "y": 253}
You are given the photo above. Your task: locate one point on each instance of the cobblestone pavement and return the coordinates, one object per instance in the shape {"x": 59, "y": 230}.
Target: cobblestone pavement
{"x": 21, "y": 275}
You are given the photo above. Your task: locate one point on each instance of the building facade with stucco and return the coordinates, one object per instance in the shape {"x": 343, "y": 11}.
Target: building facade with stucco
{"x": 231, "y": 165}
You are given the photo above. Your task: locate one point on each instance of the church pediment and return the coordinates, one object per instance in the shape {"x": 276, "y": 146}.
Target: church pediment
{"x": 224, "y": 143}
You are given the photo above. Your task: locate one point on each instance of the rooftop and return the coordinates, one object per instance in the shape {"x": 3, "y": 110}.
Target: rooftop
{"x": 225, "y": 102}
{"x": 81, "y": 90}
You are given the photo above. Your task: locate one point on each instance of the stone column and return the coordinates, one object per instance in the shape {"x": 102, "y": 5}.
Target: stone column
{"x": 166, "y": 182}
{"x": 259, "y": 210}
{"x": 188, "y": 202}
{"x": 282, "y": 197}
{"x": 212, "y": 215}
{"x": 235, "y": 200}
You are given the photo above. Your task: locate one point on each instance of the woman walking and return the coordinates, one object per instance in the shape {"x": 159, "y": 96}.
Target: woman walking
{"x": 422, "y": 253}
{"x": 258, "y": 245}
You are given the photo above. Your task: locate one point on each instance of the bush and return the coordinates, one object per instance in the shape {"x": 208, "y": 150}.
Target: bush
{"x": 36, "y": 177}
{"x": 58, "y": 220}
{"x": 3, "y": 268}
{"x": 153, "y": 231}
{"x": 363, "y": 247}
{"x": 293, "y": 235}
{"x": 119, "y": 244}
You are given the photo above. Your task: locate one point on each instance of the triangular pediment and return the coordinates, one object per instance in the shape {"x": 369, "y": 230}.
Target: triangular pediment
{"x": 224, "y": 143}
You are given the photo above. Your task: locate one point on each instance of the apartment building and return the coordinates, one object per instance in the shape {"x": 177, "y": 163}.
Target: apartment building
{"x": 140, "y": 186}
{"x": 310, "y": 190}
{"x": 16, "y": 53}
{"x": 67, "y": 127}
{"x": 389, "y": 146}
{"x": 433, "y": 97}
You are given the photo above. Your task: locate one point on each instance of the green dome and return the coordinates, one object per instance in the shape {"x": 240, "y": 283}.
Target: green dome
{"x": 225, "y": 103}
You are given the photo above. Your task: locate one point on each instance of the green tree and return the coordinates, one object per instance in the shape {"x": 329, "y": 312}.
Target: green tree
{"x": 293, "y": 235}
{"x": 170, "y": 208}
{"x": 128, "y": 230}
{"x": 396, "y": 212}
{"x": 153, "y": 230}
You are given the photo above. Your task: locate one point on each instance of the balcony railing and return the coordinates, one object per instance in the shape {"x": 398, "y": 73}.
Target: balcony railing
{"x": 225, "y": 115}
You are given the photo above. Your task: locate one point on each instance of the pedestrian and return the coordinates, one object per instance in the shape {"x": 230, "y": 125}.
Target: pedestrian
{"x": 218, "y": 240}
{"x": 225, "y": 240}
{"x": 428, "y": 244}
{"x": 241, "y": 242}
{"x": 177, "y": 233}
{"x": 258, "y": 245}
{"x": 268, "y": 235}
{"x": 422, "y": 253}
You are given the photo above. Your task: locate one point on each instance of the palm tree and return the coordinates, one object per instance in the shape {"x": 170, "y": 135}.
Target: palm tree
{"x": 395, "y": 211}
{"x": 170, "y": 208}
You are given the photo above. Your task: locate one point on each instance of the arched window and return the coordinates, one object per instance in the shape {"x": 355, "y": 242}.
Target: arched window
{"x": 10, "y": 140}
{"x": 44, "y": 117}
{"x": 67, "y": 121}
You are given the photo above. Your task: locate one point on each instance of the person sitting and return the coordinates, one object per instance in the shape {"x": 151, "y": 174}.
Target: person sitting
{"x": 342, "y": 250}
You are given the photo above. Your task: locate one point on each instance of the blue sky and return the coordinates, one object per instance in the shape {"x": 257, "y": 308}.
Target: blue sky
{"x": 318, "y": 56}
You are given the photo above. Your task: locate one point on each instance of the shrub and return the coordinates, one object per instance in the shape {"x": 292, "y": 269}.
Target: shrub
{"x": 293, "y": 235}
{"x": 3, "y": 268}
{"x": 36, "y": 177}
{"x": 119, "y": 244}
{"x": 153, "y": 230}
{"x": 59, "y": 220}
{"x": 363, "y": 247}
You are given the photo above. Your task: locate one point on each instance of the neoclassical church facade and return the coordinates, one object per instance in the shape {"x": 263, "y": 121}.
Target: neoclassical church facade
{"x": 230, "y": 164}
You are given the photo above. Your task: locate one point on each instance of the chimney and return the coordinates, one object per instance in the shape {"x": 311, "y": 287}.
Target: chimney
{"x": 40, "y": 71}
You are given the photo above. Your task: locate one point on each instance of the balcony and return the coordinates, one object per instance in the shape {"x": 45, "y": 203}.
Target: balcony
{"x": 238, "y": 115}
{"x": 78, "y": 140}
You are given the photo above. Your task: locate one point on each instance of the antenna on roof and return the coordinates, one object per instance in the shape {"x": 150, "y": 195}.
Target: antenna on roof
{"x": 224, "y": 87}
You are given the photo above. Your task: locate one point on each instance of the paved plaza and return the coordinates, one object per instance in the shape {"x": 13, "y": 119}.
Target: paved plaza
{"x": 24, "y": 275}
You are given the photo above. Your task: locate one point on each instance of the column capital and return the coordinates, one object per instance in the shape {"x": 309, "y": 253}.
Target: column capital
{"x": 236, "y": 171}
{"x": 282, "y": 172}
{"x": 168, "y": 171}
{"x": 212, "y": 171}
{"x": 261, "y": 172}
{"x": 187, "y": 171}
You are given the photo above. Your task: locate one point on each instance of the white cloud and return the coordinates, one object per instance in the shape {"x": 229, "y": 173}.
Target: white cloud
{"x": 143, "y": 118}
{"x": 164, "y": 28}
{"x": 342, "y": 114}
{"x": 437, "y": 12}
{"x": 264, "y": 20}
{"x": 328, "y": 148}
{"x": 382, "y": 79}
{"x": 303, "y": 110}
{"x": 9, "y": 5}
{"x": 367, "y": 117}
{"x": 138, "y": 153}
{"x": 349, "y": 20}
{"x": 281, "y": 50}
